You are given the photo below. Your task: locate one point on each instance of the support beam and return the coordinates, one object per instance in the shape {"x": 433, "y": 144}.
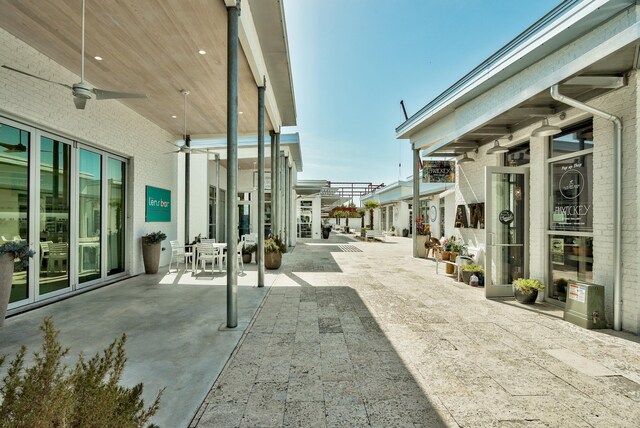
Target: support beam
{"x": 274, "y": 202}
{"x": 232, "y": 165}
{"x": 276, "y": 195}
{"x": 187, "y": 189}
{"x": 416, "y": 197}
{"x": 602, "y": 82}
{"x": 491, "y": 130}
{"x": 260, "y": 251}
{"x": 218, "y": 200}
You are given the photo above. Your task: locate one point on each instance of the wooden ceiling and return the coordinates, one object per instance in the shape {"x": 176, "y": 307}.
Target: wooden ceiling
{"x": 147, "y": 46}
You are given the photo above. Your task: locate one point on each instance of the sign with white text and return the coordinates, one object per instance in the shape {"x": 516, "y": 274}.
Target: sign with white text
{"x": 439, "y": 172}
{"x": 157, "y": 204}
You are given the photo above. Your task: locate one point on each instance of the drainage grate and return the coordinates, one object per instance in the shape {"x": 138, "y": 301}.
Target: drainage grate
{"x": 349, "y": 249}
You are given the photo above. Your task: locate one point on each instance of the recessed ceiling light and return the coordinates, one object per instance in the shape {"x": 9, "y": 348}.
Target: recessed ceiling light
{"x": 202, "y": 52}
{"x": 174, "y": 116}
{"x": 240, "y": 112}
{"x": 98, "y": 58}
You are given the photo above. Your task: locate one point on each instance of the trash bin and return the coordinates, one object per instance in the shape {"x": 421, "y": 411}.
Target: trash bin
{"x": 585, "y": 305}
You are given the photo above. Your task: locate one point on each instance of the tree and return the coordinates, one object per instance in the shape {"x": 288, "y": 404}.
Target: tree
{"x": 361, "y": 212}
{"x": 338, "y": 214}
{"x": 371, "y": 205}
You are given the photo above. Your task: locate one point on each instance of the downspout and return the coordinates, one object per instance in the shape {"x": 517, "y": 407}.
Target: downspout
{"x": 617, "y": 198}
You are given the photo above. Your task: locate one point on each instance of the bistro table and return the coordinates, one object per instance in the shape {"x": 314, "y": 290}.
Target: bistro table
{"x": 194, "y": 259}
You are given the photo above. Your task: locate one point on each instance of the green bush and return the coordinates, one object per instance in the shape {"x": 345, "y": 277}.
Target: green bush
{"x": 473, "y": 268}
{"x": 249, "y": 249}
{"x": 48, "y": 394}
{"x": 154, "y": 237}
{"x": 527, "y": 286}
{"x": 274, "y": 244}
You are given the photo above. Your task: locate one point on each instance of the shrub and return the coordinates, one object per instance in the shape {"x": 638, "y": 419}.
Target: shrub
{"x": 473, "y": 268}
{"x": 274, "y": 244}
{"x": 527, "y": 286}
{"x": 249, "y": 249}
{"x": 48, "y": 394}
{"x": 154, "y": 237}
{"x": 18, "y": 251}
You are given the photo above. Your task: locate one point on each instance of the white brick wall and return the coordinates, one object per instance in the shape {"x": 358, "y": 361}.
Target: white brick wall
{"x": 108, "y": 125}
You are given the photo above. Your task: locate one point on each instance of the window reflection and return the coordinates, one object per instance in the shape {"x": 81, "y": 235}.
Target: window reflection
{"x": 89, "y": 216}
{"x": 571, "y": 259}
{"x": 14, "y": 197}
{"x": 116, "y": 217}
{"x": 54, "y": 215}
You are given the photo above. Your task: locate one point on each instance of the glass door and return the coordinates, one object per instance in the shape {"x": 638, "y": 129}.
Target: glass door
{"x": 507, "y": 228}
{"x": 89, "y": 216}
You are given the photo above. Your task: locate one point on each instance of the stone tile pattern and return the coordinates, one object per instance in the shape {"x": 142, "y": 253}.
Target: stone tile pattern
{"x": 377, "y": 339}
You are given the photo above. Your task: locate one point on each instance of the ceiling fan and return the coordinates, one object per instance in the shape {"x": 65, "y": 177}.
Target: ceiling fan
{"x": 82, "y": 91}
{"x": 14, "y": 148}
{"x": 184, "y": 147}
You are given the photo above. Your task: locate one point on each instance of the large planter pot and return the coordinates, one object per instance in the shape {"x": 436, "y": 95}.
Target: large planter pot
{"x": 445, "y": 255}
{"x": 420, "y": 241}
{"x": 525, "y": 298}
{"x": 151, "y": 256}
{"x": 246, "y": 258}
{"x": 6, "y": 280}
{"x": 466, "y": 276}
{"x": 272, "y": 260}
{"x": 405, "y": 233}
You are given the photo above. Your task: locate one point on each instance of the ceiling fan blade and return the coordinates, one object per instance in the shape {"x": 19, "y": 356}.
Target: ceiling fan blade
{"x": 80, "y": 102}
{"x": 36, "y": 77}
{"x": 111, "y": 95}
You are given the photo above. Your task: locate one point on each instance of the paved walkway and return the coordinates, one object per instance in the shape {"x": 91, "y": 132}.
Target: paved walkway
{"x": 362, "y": 334}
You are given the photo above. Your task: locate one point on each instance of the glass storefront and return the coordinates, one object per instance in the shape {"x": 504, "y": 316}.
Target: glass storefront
{"x": 570, "y": 209}
{"x": 69, "y": 202}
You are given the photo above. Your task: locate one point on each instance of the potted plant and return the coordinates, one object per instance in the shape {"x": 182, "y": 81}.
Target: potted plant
{"x": 526, "y": 290}
{"x": 273, "y": 250}
{"x": 247, "y": 252}
{"x": 151, "y": 248}
{"x": 14, "y": 257}
{"x": 405, "y": 233}
{"x": 469, "y": 270}
{"x": 423, "y": 235}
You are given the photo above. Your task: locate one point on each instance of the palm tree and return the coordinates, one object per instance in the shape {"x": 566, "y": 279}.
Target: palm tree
{"x": 371, "y": 205}
{"x": 338, "y": 214}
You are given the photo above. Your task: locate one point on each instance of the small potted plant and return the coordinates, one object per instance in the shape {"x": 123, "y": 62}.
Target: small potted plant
{"x": 469, "y": 270}
{"x": 273, "y": 250}
{"x": 526, "y": 290}
{"x": 561, "y": 288}
{"x": 14, "y": 257}
{"x": 423, "y": 235}
{"x": 151, "y": 248}
{"x": 247, "y": 252}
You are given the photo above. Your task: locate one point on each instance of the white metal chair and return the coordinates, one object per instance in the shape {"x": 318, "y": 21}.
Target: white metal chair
{"x": 178, "y": 252}
{"x": 44, "y": 251}
{"x": 208, "y": 240}
{"x": 207, "y": 253}
{"x": 250, "y": 238}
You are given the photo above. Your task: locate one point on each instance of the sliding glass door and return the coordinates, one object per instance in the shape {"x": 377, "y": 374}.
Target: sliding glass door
{"x": 116, "y": 218}
{"x": 89, "y": 215}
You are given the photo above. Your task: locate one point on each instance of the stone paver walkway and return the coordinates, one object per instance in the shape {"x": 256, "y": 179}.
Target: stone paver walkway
{"x": 361, "y": 334}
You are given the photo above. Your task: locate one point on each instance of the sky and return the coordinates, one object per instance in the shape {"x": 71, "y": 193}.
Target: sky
{"x": 354, "y": 60}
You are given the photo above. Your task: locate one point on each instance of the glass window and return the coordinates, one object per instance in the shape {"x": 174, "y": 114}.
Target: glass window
{"x": 390, "y": 217}
{"x": 518, "y": 156}
{"x": 571, "y": 258}
{"x": 89, "y": 220}
{"x": 212, "y": 212}
{"x": 14, "y": 197}
{"x": 116, "y": 175}
{"x": 571, "y": 199}
{"x": 383, "y": 218}
{"x": 573, "y": 139}
{"x": 54, "y": 215}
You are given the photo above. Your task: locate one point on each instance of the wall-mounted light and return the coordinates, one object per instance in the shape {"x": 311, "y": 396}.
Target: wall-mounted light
{"x": 465, "y": 159}
{"x": 546, "y": 130}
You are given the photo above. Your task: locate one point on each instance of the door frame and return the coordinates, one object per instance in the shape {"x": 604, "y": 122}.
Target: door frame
{"x": 503, "y": 290}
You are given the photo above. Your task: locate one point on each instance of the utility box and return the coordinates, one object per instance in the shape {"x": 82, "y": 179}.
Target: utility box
{"x": 585, "y": 305}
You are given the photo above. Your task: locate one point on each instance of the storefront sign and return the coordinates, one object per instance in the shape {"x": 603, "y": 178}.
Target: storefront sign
{"x": 577, "y": 292}
{"x": 505, "y": 217}
{"x": 572, "y": 207}
{"x": 157, "y": 205}
{"x": 439, "y": 172}
{"x": 557, "y": 251}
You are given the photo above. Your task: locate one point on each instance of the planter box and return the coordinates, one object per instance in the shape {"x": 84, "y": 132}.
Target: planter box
{"x": 420, "y": 241}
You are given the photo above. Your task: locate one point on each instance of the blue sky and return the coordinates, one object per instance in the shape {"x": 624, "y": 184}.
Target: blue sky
{"x": 354, "y": 60}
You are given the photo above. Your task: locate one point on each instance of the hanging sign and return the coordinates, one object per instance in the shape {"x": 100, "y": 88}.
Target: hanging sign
{"x": 439, "y": 172}
{"x": 157, "y": 204}
{"x": 505, "y": 217}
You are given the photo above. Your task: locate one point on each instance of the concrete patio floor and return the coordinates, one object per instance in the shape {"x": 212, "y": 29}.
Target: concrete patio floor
{"x": 173, "y": 325}
{"x": 361, "y": 334}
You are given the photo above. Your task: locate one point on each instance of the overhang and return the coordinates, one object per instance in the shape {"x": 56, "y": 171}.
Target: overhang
{"x": 565, "y": 23}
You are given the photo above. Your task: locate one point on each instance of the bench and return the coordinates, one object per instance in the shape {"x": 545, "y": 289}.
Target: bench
{"x": 376, "y": 234}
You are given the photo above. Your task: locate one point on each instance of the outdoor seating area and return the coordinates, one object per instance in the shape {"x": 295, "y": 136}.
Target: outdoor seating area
{"x": 207, "y": 253}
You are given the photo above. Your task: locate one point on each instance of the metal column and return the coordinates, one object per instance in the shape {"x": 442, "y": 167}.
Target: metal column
{"x": 275, "y": 196}
{"x": 217, "y": 213}
{"x": 285, "y": 205}
{"x": 187, "y": 190}
{"x": 416, "y": 197}
{"x": 274, "y": 192}
{"x": 281, "y": 202}
{"x": 260, "y": 252}
{"x": 232, "y": 165}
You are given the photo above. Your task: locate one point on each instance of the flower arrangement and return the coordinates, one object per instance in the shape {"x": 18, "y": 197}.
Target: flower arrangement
{"x": 422, "y": 228}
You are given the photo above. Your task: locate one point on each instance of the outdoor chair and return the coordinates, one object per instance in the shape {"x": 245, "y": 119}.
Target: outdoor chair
{"x": 178, "y": 252}
{"x": 434, "y": 246}
{"x": 207, "y": 253}
{"x": 44, "y": 251}
{"x": 58, "y": 256}
{"x": 238, "y": 256}
{"x": 208, "y": 240}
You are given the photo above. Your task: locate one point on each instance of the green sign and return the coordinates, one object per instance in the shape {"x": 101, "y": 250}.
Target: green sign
{"x": 158, "y": 204}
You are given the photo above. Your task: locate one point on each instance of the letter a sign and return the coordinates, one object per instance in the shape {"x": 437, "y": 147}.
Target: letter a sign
{"x": 157, "y": 204}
